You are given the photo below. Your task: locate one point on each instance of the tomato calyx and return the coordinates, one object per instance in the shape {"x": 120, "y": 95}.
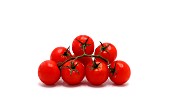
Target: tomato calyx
{"x": 72, "y": 67}
{"x": 95, "y": 65}
{"x": 84, "y": 45}
{"x": 103, "y": 48}
{"x": 113, "y": 70}
{"x": 66, "y": 52}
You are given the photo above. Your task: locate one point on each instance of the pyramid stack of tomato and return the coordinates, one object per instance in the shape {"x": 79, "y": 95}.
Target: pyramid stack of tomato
{"x": 72, "y": 68}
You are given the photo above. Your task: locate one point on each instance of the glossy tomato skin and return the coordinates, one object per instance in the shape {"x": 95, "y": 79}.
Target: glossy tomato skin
{"x": 48, "y": 72}
{"x": 84, "y": 60}
{"x": 109, "y": 53}
{"x": 97, "y": 76}
{"x": 75, "y": 76}
{"x": 79, "y": 41}
{"x": 121, "y": 72}
{"x": 60, "y": 54}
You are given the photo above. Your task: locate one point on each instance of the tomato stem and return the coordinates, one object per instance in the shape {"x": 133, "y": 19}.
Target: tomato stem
{"x": 101, "y": 44}
{"x": 84, "y": 55}
{"x": 66, "y": 52}
{"x": 84, "y": 46}
{"x": 103, "y": 48}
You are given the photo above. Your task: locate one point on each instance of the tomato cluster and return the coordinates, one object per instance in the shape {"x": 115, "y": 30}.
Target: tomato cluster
{"x": 74, "y": 67}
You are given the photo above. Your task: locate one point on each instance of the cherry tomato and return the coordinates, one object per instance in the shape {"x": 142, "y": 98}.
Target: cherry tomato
{"x": 80, "y": 42}
{"x": 85, "y": 60}
{"x": 97, "y": 72}
{"x": 48, "y": 72}
{"x": 60, "y": 54}
{"x": 107, "y": 51}
{"x": 119, "y": 72}
{"x": 73, "y": 72}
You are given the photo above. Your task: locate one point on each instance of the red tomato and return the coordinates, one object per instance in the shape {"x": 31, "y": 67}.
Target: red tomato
{"x": 107, "y": 51}
{"x": 48, "y": 72}
{"x": 85, "y": 60}
{"x": 60, "y": 54}
{"x": 73, "y": 72}
{"x": 119, "y": 72}
{"x": 82, "y": 41}
{"x": 97, "y": 72}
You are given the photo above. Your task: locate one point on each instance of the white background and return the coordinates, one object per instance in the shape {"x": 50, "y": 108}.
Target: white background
{"x": 30, "y": 30}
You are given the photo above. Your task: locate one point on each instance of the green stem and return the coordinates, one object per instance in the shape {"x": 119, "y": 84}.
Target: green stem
{"x": 84, "y": 55}
{"x": 84, "y": 49}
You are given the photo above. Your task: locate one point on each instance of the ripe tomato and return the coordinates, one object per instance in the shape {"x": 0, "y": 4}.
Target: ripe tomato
{"x": 119, "y": 72}
{"x": 85, "y": 60}
{"x": 60, "y": 54}
{"x": 97, "y": 72}
{"x": 73, "y": 72}
{"x": 82, "y": 41}
{"x": 107, "y": 51}
{"x": 48, "y": 72}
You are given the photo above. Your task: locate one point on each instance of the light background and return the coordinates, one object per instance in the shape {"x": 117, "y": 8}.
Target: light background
{"x": 30, "y": 30}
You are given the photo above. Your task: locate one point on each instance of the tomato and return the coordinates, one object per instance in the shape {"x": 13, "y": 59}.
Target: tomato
{"x": 119, "y": 72}
{"x": 80, "y": 42}
{"x": 60, "y": 54}
{"x": 48, "y": 72}
{"x": 85, "y": 60}
{"x": 107, "y": 51}
{"x": 73, "y": 72}
{"x": 97, "y": 72}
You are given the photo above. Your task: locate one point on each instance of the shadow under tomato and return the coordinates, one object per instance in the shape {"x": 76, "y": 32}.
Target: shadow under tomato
{"x": 70, "y": 86}
{"x": 98, "y": 86}
{"x": 84, "y": 83}
{"x": 59, "y": 83}
{"x": 106, "y": 84}
{"x": 123, "y": 85}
